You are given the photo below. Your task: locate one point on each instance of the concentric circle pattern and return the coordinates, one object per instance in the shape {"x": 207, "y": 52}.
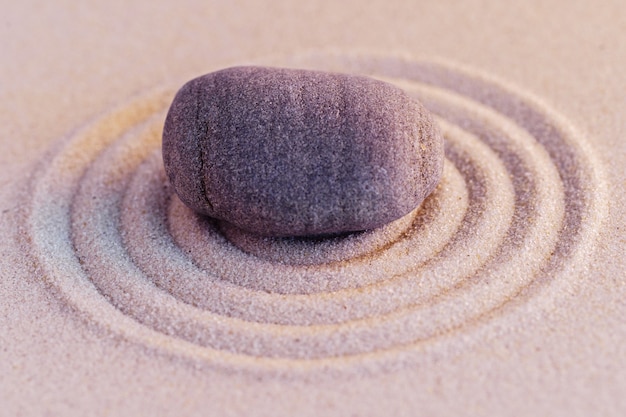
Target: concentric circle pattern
{"x": 518, "y": 207}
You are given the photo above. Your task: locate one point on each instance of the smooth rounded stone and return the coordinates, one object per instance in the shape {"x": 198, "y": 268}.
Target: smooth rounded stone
{"x": 286, "y": 152}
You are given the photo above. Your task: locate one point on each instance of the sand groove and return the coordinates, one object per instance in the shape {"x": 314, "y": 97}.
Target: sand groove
{"x": 519, "y": 205}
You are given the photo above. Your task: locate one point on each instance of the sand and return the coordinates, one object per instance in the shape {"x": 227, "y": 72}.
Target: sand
{"x": 502, "y": 293}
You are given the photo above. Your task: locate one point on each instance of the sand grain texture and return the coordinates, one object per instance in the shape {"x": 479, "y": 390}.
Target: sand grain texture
{"x": 501, "y": 294}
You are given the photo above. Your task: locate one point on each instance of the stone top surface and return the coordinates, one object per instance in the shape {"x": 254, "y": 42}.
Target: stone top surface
{"x": 287, "y": 152}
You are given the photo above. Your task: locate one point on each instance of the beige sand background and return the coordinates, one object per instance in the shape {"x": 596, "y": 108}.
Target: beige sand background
{"x": 66, "y": 63}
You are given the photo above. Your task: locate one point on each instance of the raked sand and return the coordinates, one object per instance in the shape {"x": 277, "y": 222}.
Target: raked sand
{"x": 502, "y": 293}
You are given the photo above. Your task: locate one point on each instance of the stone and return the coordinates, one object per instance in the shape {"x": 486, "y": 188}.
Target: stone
{"x": 288, "y": 152}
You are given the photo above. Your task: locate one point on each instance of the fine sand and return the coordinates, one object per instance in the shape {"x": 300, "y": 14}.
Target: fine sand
{"x": 501, "y": 294}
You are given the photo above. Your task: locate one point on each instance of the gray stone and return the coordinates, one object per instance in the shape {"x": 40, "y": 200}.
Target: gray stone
{"x": 283, "y": 152}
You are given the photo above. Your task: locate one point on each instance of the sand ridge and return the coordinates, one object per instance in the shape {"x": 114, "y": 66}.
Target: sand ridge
{"x": 518, "y": 209}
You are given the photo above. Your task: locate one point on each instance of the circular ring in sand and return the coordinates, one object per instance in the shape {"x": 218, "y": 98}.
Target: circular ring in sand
{"x": 518, "y": 209}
